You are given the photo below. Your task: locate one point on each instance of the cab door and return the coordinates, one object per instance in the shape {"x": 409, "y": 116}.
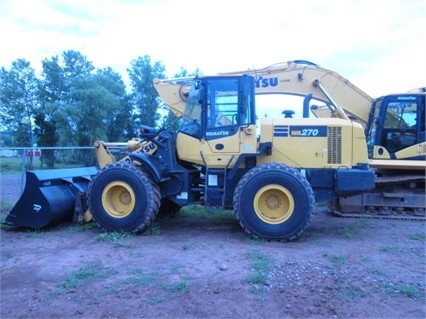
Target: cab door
{"x": 229, "y": 111}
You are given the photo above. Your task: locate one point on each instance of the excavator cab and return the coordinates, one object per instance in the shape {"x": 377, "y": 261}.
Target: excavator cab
{"x": 396, "y": 127}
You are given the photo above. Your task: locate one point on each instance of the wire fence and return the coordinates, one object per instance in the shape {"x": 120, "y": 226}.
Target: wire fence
{"x": 14, "y": 162}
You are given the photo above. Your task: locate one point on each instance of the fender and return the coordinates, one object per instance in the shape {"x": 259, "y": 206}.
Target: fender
{"x": 152, "y": 163}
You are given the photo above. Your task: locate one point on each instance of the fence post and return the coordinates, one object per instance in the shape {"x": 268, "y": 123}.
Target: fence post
{"x": 23, "y": 171}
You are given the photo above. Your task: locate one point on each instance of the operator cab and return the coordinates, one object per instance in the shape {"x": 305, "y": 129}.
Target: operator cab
{"x": 219, "y": 106}
{"x": 397, "y": 122}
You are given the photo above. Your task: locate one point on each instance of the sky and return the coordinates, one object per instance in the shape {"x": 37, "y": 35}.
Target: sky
{"x": 379, "y": 45}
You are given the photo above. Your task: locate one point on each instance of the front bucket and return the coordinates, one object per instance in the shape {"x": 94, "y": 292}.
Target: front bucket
{"x": 49, "y": 196}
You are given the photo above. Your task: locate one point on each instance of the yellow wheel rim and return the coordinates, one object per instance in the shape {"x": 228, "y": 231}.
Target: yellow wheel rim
{"x": 273, "y": 204}
{"x": 118, "y": 199}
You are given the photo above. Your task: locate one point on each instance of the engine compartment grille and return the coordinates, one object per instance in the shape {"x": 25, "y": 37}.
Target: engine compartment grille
{"x": 334, "y": 145}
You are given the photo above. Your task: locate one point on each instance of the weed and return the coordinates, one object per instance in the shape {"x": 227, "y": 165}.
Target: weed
{"x": 366, "y": 258}
{"x": 141, "y": 278}
{"x": 251, "y": 238}
{"x": 7, "y": 255}
{"x": 409, "y": 291}
{"x": 390, "y": 249}
{"x": 154, "y": 229}
{"x": 175, "y": 268}
{"x": 375, "y": 271}
{"x": 406, "y": 290}
{"x": 6, "y": 206}
{"x": 336, "y": 259}
{"x": 84, "y": 227}
{"x": 180, "y": 286}
{"x": 198, "y": 211}
{"x": 348, "y": 291}
{"x": 351, "y": 231}
{"x": 31, "y": 233}
{"x": 115, "y": 237}
{"x": 261, "y": 265}
{"x": 10, "y": 166}
{"x": 156, "y": 300}
{"x": 83, "y": 276}
{"x": 257, "y": 278}
{"x": 417, "y": 236}
{"x": 193, "y": 211}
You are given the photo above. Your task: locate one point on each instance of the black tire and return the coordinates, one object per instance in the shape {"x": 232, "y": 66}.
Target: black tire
{"x": 274, "y": 202}
{"x": 123, "y": 197}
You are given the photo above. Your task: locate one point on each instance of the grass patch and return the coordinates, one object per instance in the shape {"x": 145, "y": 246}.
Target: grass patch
{"x": 417, "y": 236}
{"x": 7, "y": 255}
{"x": 32, "y": 233}
{"x": 260, "y": 266}
{"x": 198, "y": 211}
{"x": 180, "y": 287}
{"x": 348, "y": 291}
{"x": 352, "y": 231}
{"x": 156, "y": 300}
{"x": 141, "y": 278}
{"x": 175, "y": 268}
{"x": 376, "y": 271}
{"x": 116, "y": 238}
{"x": 405, "y": 290}
{"x": 336, "y": 259}
{"x": 83, "y": 276}
{"x": 10, "y": 166}
{"x": 153, "y": 230}
{"x": 6, "y": 206}
{"x": 84, "y": 227}
{"x": 390, "y": 249}
{"x": 252, "y": 239}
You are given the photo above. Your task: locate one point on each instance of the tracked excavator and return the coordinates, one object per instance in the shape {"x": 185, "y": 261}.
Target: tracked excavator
{"x": 270, "y": 174}
{"x": 394, "y": 126}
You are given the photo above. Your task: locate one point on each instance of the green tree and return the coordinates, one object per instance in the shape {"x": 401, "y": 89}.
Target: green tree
{"x": 144, "y": 97}
{"x": 52, "y": 88}
{"x": 92, "y": 110}
{"x": 19, "y": 101}
{"x": 119, "y": 121}
{"x": 54, "y": 125}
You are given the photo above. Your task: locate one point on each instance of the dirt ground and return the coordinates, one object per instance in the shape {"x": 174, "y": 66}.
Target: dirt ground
{"x": 201, "y": 264}
{"x": 204, "y": 266}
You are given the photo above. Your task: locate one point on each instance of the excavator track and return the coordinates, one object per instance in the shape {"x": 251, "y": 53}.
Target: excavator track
{"x": 379, "y": 216}
{"x": 396, "y": 197}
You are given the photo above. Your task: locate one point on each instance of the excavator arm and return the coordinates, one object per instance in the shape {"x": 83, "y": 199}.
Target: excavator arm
{"x": 302, "y": 78}
{"x": 344, "y": 99}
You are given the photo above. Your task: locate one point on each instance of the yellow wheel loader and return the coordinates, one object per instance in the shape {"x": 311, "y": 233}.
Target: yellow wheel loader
{"x": 271, "y": 176}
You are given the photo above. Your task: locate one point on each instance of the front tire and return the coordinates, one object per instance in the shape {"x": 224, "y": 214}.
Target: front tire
{"x": 123, "y": 197}
{"x": 274, "y": 202}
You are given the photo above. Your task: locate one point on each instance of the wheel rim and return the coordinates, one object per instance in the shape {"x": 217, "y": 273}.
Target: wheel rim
{"x": 118, "y": 199}
{"x": 273, "y": 204}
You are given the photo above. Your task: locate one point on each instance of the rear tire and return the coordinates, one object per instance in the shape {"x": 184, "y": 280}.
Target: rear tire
{"x": 123, "y": 197}
{"x": 274, "y": 202}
